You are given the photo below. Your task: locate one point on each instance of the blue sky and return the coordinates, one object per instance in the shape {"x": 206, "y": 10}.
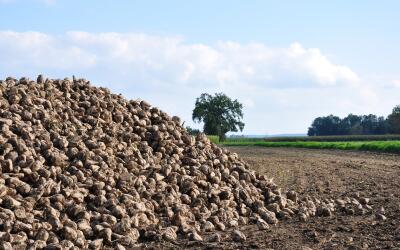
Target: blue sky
{"x": 287, "y": 61}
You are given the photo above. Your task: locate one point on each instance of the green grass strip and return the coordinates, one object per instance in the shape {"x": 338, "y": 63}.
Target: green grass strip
{"x": 330, "y": 138}
{"x": 213, "y": 138}
{"x": 380, "y": 146}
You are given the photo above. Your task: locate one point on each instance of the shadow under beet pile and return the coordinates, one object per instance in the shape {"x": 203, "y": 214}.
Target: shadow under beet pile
{"x": 84, "y": 168}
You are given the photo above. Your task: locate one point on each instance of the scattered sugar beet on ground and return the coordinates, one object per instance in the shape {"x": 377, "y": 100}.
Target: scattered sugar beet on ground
{"x": 84, "y": 168}
{"x": 326, "y": 174}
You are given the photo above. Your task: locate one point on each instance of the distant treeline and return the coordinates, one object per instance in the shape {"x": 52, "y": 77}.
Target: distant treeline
{"x": 356, "y": 124}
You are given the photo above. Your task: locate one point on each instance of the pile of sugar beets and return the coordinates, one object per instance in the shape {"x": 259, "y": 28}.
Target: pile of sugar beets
{"x": 84, "y": 168}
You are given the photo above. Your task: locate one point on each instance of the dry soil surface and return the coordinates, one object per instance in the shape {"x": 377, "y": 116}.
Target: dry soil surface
{"x": 324, "y": 174}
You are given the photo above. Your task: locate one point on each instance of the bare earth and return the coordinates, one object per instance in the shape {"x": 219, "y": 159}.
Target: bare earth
{"x": 324, "y": 174}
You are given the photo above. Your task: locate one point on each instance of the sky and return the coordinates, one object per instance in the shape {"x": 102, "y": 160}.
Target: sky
{"x": 288, "y": 62}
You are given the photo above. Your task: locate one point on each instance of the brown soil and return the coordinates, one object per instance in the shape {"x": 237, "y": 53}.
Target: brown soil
{"x": 324, "y": 174}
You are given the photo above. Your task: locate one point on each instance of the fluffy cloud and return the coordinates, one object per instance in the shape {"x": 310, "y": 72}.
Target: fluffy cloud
{"x": 170, "y": 60}
{"x": 279, "y": 84}
{"x": 38, "y": 51}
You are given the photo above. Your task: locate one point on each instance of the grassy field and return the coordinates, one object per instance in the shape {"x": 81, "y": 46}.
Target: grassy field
{"x": 331, "y": 138}
{"x": 381, "y": 146}
{"x": 213, "y": 138}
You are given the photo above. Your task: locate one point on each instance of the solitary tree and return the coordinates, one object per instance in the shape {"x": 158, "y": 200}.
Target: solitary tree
{"x": 219, "y": 113}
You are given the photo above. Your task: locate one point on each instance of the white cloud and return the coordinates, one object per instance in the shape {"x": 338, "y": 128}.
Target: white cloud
{"x": 282, "y": 88}
{"x": 318, "y": 66}
{"x": 172, "y": 60}
{"x": 38, "y": 51}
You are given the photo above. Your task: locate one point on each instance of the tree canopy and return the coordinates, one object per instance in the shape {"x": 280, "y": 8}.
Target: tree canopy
{"x": 219, "y": 113}
{"x": 394, "y": 120}
{"x": 328, "y": 125}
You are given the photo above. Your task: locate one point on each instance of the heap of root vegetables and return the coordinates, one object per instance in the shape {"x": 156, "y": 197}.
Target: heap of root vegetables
{"x": 84, "y": 168}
